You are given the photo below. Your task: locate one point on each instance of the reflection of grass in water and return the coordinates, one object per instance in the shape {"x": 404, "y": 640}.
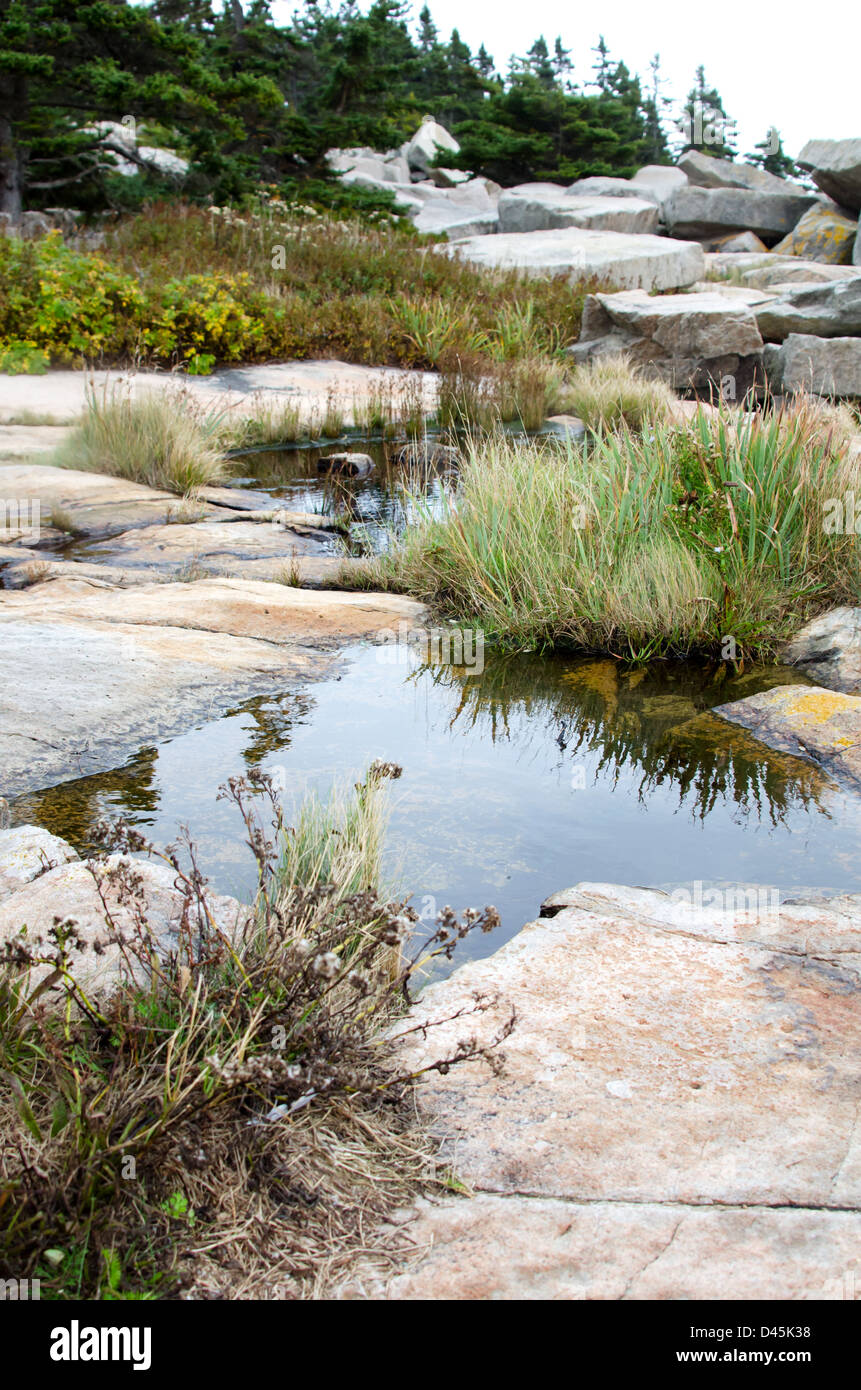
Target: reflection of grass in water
{"x": 274, "y": 719}
{"x": 72, "y": 809}
{"x": 656, "y": 721}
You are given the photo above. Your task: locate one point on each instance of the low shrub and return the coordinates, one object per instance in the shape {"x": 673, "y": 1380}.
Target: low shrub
{"x": 227, "y": 1122}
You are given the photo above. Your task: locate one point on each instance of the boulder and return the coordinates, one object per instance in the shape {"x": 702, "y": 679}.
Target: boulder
{"x": 427, "y": 453}
{"x": 856, "y": 250}
{"x": 469, "y": 209}
{"x": 772, "y": 367}
{"x": 373, "y": 166}
{"x": 823, "y": 234}
{"x": 165, "y": 161}
{"x": 828, "y": 649}
{"x": 706, "y": 171}
{"x": 122, "y": 149}
{"x": 409, "y": 200}
{"x": 71, "y": 891}
{"x": 32, "y": 225}
{"x": 708, "y": 212}
{"x": 64, "y": 220}
{"x": 828, "y": 311}
{"x": 659, "y": 181}
{"x": 823, "y": 726}
{"x": 601, "y": 187}
{"x": 691, "y": 341}
{"x": 737, "y": 244}
{"x": 538, "y": 207}
{"x": 720, "y": 264}
{"x": 430, "y": 140}
{"x": 822, "y": 366}
{"x": 352, "y": 465}
{"x": 648, "y": 262}
{"x": 27, "y": 852}
{"x": 836, "y": 169}
{"x": 633, "y": 1146}
{"x": 568, "y": 426}
{"x": 447, "y": 178}
{"x": 341, "y": 161}
{"x": 779, "y": 271}
{"x": 442, "y": 219}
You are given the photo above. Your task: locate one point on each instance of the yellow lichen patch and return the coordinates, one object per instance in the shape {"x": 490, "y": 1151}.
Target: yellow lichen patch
{"x": 818, "y": 706}
{"x": 821, "y": 235}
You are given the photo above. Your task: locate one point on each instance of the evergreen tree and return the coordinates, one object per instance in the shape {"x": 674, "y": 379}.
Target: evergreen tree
{"x": 538, "y": 62}
{"x": 705, "y": 125}
{"x": 484, "y": 63}
{"x": 561, "y": 64}
{"x": 602, "y": 67}
{"x": 655, "y": 107}
{"x": 67, "y": 65}
{"x": 248, "y": 100}
{"x": 428, "y": 33}
{"x": 770, "y": 155}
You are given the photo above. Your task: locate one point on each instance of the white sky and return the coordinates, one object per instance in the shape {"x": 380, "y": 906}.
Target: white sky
{"x": 772, "y": 64}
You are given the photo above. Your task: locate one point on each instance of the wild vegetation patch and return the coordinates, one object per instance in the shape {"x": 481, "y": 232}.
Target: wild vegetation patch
{"x": 667, "y": 542}
{"x": 180, "y": 285}
{"x": 229, "y": 1120}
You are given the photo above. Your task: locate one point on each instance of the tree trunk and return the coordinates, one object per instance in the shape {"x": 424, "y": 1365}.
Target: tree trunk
{"x": 13, "y": 99}
{"x": 11, "y": 200}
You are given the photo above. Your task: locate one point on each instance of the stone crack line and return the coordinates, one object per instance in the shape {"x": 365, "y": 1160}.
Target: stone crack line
{"x": 652, "y": 1261}
{"x": 849, "y": 1145}
{"x": 714, "y": 1204}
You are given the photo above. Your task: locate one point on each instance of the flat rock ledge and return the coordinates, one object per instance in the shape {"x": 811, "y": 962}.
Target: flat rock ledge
{"x": 109, "y": 670}
{"x": 678, "y": 1113}
{"x": 821, "y": 725}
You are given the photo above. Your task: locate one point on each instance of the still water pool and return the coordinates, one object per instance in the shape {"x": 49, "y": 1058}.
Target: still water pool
{"x": 534, "y": 775}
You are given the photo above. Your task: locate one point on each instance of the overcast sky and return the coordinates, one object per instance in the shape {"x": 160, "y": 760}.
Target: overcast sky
{"x": 798, "y": 70}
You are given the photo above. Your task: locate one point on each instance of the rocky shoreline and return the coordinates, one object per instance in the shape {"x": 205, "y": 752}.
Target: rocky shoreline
{"x": 678, "y": 236}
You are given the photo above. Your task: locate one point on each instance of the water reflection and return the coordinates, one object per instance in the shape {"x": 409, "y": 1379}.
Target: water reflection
{"x": 72, "y": 809}
{"x": 538, "y": 774}
{"x": 609, "y": 719}
{"x": 369, "y": 505}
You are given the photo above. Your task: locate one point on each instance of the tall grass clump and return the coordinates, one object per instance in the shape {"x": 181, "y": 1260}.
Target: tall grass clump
{"x": 609, "y": 392}
{"x": 159, "y": 438}
{"x": 476, "y": 391}
{"x": 640, "y": 545}
{"x": 337, "y": 840}
{"x": 271, "y": 420}
{"x": 224, "y": 1119}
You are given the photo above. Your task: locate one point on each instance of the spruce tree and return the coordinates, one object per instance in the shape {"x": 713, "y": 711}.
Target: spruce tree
{"x": 705, "y": 125}
{"x": 66, "y": 66}
{"x": 770, "y": 155}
